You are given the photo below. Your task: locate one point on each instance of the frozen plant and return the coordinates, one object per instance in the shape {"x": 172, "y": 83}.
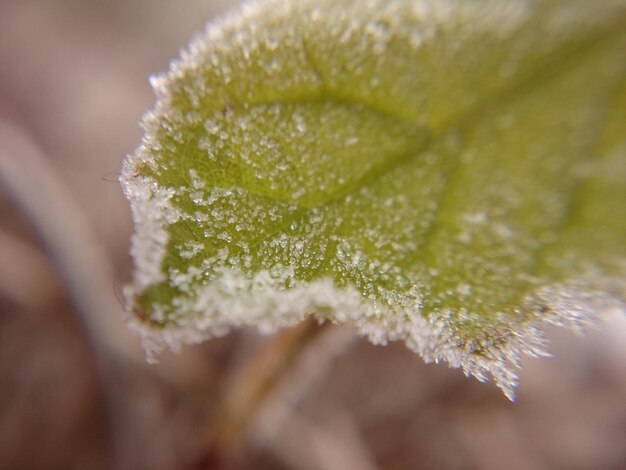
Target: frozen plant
{"x": 447, "y": 173}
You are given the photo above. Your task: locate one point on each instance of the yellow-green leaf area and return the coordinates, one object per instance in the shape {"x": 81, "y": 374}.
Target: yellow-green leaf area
{"x": 448, "y": 173}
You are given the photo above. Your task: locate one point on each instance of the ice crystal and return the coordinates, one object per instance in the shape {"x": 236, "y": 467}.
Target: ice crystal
{"x": 447, "y": 173}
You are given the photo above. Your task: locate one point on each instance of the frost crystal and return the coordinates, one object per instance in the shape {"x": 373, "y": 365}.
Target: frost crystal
{"x": 446, "y": 173}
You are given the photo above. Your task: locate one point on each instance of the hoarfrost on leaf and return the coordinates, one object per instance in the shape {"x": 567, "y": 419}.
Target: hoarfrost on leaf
{"x": 447, "y": 173}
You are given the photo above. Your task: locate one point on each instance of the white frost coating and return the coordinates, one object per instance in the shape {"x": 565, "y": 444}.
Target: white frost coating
{"x": 233, "y": 301}
{"x": 232, "y": 298}
{"x": 152, "y": 213}
{"x": 573, "y": 304}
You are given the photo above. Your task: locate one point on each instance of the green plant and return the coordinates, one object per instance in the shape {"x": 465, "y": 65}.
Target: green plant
{"x": 450, "y": 174}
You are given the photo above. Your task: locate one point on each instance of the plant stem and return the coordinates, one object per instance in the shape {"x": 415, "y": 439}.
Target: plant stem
{"x": 251, "y": 387}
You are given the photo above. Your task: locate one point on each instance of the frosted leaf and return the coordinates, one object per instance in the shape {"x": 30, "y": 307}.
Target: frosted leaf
{"x": 447, "y": 173}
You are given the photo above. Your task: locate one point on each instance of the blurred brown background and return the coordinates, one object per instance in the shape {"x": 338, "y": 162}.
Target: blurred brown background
{"x": 75, "y": 392}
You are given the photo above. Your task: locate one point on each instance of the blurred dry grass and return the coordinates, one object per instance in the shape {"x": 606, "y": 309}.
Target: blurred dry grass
{"x": 73, "y": 81}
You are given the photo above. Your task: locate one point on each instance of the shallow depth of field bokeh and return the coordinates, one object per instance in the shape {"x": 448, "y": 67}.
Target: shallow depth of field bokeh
{"x": 73, "y": 86}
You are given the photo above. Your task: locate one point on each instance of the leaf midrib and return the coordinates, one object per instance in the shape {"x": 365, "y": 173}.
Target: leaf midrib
{"x": 569, "y": 55}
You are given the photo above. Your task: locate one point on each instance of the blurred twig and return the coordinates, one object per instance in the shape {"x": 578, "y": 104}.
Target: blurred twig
{"x": 284, "y": 371}
{"x": 60, "y": 224}
{"x": 291, "y": 436}
{"x": 298, "y": 382}
{"x": 251, "y": 386}
{"x": 41, "y": 195}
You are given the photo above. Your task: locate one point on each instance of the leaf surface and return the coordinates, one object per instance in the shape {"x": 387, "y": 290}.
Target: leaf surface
{"x": 448, "y": 173}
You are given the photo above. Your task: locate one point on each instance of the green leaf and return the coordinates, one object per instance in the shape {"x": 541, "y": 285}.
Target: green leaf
{"x": 447, "y": 173}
